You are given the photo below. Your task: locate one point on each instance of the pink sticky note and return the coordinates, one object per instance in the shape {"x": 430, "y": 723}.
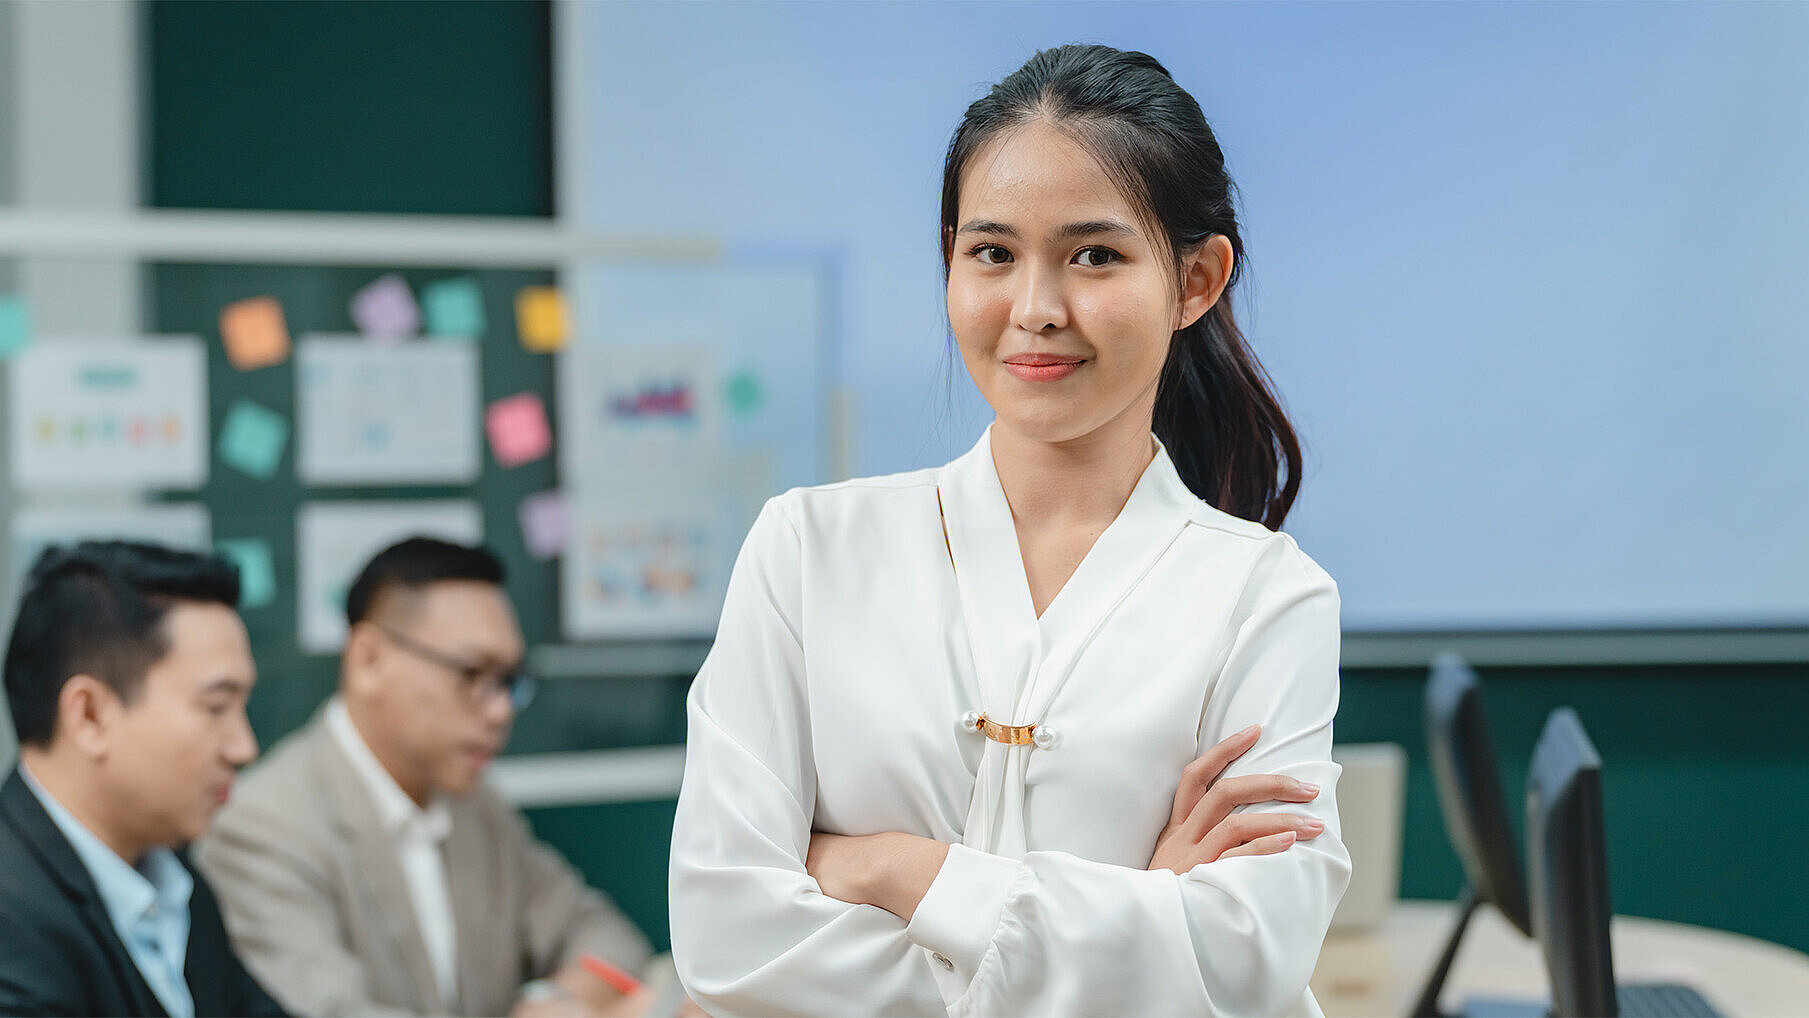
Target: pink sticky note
{"x": 545, "y": 522}
{"x": 518, "y": 429}
{"x": 386, "y": 309}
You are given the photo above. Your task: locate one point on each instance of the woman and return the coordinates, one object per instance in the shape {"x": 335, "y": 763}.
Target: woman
{"x": 946, "y": 752}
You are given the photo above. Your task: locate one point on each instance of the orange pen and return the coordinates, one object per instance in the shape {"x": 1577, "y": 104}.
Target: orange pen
{"x": 615, "y": 977}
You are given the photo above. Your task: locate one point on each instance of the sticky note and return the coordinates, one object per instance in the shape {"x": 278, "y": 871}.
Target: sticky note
{"x": 540, "y": 318}
{"x": 545, "y": 523}
{"x": 254, "y": 333}
{"x": 455, "y": 309}
{"x": 257, "y": 569}
{"x": 253, "y": 438}
{"x": 518, "y": 429}
{"x": 385, "y": 309}
{"x": 15, "y": 326}
{"x": 743, "y": 392}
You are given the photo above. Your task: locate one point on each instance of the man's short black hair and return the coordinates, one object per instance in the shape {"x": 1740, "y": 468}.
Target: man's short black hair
{"x": 97, "y": 609}
{"x": 415, "y": 563}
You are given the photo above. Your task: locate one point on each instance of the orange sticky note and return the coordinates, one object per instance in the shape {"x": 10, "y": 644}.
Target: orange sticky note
{"x": 540, "y": 318}
{"x": 254, "y": 333}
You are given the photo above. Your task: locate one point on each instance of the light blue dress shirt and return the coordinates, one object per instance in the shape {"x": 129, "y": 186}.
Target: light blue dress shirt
{"x": 147, "y": 903}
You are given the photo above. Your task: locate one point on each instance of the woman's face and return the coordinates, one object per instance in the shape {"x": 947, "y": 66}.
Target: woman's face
{"x": 1061, "y": 299}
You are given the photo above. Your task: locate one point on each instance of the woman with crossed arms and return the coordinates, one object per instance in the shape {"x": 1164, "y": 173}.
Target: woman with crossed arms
{"x": 1046, "y": 730}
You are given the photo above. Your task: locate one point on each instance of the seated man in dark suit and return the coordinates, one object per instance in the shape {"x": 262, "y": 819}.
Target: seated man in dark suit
{"x": 127, "y": 675}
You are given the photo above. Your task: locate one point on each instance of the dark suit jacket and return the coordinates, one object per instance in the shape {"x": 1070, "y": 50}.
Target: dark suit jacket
{"x": 59, "y": 954}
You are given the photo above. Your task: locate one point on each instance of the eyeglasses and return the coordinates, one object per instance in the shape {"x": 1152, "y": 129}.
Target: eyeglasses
{"x": 479, "y": 683}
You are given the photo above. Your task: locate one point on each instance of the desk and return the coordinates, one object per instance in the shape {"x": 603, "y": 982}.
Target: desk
{"x": 1381, "y": 972}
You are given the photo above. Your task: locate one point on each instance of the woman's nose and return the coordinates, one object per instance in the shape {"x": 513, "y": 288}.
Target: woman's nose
{"x": 1039, "y": 304}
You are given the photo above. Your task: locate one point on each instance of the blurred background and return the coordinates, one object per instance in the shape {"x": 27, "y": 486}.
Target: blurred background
{"x": 590, "y": 281}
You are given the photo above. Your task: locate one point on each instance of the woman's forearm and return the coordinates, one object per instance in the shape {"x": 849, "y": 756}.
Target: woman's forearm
{"x": 892, "y": 870}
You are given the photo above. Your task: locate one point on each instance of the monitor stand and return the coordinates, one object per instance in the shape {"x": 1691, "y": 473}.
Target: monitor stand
{"x": 1427, "y": 1007}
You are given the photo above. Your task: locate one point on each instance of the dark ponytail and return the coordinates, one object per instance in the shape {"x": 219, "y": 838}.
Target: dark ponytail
{"x": 1216, "y": 410}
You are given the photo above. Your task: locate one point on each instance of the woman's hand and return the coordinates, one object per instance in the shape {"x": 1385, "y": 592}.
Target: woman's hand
{"x": 1203, "y": 827}
{"x": 892, "y": 870}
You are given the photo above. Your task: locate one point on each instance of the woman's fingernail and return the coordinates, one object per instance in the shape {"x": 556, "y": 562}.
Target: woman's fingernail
{"x": 1250, "y": 730}
{"x": 1310, "y": 824}
{"x": 1306, "y": 786}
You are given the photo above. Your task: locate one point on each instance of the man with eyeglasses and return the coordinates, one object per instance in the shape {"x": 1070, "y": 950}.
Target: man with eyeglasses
{"x": 367, "y": 869}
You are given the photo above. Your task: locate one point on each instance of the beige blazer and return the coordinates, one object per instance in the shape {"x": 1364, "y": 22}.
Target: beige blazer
{"x": 316, "y": 903}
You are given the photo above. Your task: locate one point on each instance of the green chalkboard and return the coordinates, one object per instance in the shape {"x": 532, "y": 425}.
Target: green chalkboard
{"x": 440, "y": 106}
{"x": 572, "y": 713}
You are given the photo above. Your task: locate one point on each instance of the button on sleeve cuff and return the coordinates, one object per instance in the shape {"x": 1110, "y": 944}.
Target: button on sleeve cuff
{"x": 960, "y": 912}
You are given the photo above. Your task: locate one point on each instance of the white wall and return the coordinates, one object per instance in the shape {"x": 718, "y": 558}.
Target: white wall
{"x": 69, "y": 141}
{"x": 1529, "y": 276}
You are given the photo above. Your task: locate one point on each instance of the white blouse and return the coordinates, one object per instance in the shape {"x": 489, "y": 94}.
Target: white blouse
{"x": 864, "y": 620}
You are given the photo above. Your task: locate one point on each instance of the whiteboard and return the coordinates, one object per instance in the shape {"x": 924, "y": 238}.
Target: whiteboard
{"x": 1529, "y": 277}
{"x": 692, "y": 391}
{"x": 110, "y": 413}
{"x": 385, "y": 413}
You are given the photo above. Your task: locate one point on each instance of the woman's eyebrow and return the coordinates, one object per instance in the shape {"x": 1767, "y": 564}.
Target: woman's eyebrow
{"x": 1093, "y": 228}
{"x": 1066, "y": 232}
{"x": 987, "y": 226}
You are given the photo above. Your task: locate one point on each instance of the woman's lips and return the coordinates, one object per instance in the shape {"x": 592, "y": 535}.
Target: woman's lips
{"x": 1040, "y": 367}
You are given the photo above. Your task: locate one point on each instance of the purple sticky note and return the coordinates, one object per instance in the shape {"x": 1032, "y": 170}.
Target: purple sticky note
{"x": 386, "y": 309}
{"x": 545, "y": 522}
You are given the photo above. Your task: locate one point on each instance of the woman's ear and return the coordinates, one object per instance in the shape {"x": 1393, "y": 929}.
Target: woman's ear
{"x": 1204, "y": 273}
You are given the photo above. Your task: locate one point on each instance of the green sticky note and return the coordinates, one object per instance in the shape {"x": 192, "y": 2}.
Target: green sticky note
{"x": 743, "y": 392}
{"x": 257, "y": 570}
{"x": 15, "y": 326}
{"x": 455, "y": 309}
{"x": 253, "y": 439}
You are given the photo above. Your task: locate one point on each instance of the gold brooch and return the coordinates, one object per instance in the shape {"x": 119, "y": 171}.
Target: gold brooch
{"x": 1010, "y": 735}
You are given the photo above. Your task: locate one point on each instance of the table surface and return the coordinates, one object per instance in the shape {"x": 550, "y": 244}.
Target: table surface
{"x": 1381, "y": 971}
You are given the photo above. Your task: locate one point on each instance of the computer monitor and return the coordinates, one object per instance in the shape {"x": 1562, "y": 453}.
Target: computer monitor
{"x": 1567, "y": 858}
{"x": 1468, "y": 779}
{"x": 1567, "y": 873}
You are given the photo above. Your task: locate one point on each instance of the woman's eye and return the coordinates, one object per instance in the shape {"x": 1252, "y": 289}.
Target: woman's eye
{"x": 1095, "y": 257}
{"x": 991, "y": 254}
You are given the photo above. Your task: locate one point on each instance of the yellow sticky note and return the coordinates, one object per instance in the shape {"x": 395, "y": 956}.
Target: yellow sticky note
{"x": 254, "y": 333}
{"x": 540, "y": 318}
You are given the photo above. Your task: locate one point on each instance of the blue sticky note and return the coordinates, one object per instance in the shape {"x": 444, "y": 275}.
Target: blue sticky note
{"x": 257, "y": 570}
{"x": 15, "y": 326}
{"x": 253, "y": 439}
{"x": 455, "y": 309}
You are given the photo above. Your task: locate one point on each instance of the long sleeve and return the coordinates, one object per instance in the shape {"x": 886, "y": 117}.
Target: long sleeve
{"x": 752, "y": 933}
{"x": 562, "y": 916}
{"x": 1057, "y": 934}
